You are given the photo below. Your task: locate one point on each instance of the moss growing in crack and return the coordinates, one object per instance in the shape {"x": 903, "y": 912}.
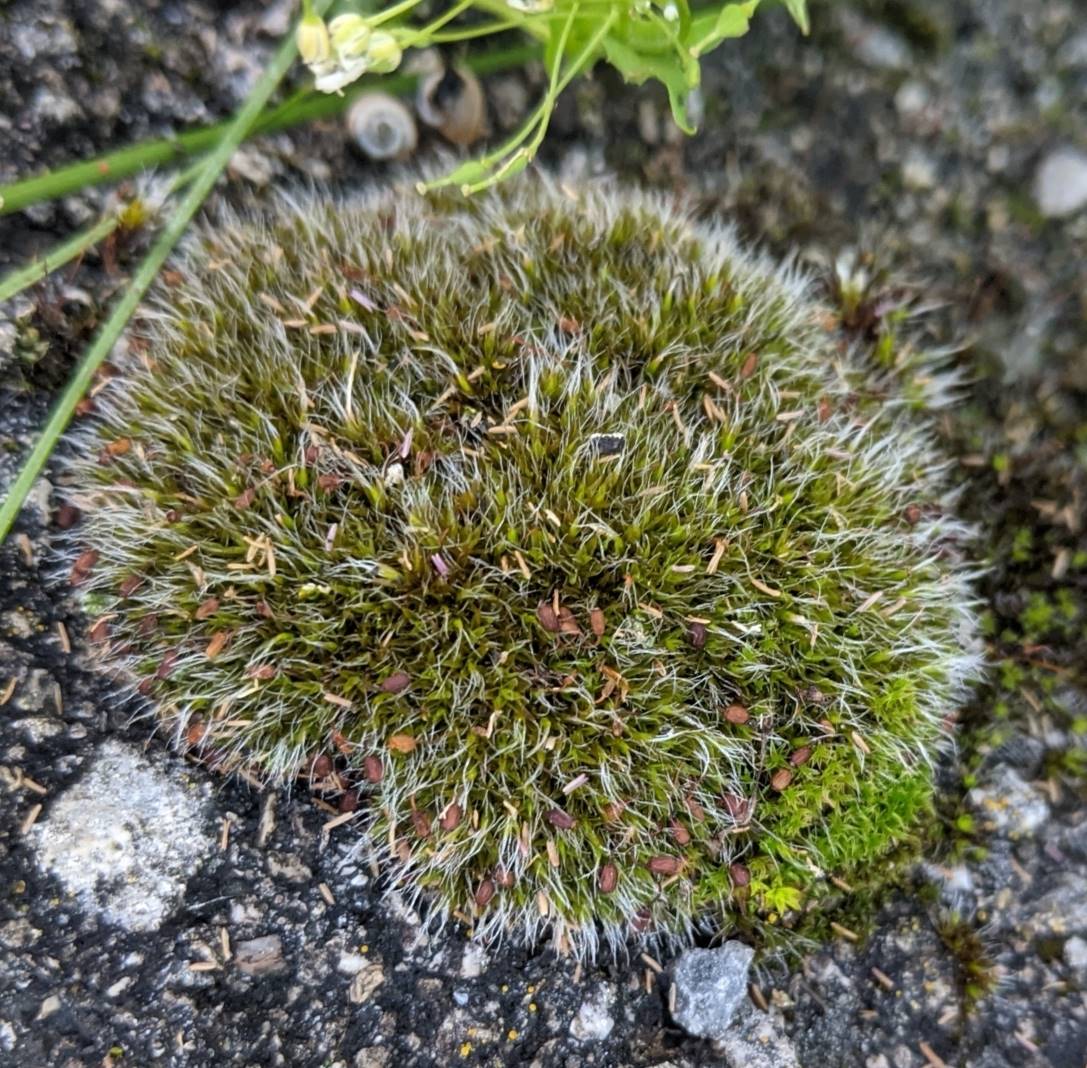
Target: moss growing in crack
{"x": 559, "y": 537}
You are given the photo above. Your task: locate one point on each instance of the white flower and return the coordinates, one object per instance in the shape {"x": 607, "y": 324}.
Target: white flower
{"x": 331, "y": 77}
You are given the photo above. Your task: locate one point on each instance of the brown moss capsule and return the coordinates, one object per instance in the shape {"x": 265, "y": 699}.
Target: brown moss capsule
{"x": 608, "y": 879}
{"x": 321, "y": 767}
{"x": 130, "y": 585}
{"x": 398, "y": 682}
{"x": 597, "y": 622}
{"x": 83, "y": 565}
{"x": 484, "y": 892}
{"x": 737, "y": 714}
{"x": 166, "y": 665}
{"x": 780, "y": 779}
{"x": 99, "y": 632}
{"x": 66, "y": 516}
{"x": 349, "y": 801}
{"x": 207, "y": 608}
{"x": 740, "y": 875}
{"x": 563, "y": 820}
{"x": 421, "y": 822}
{"x": 548, "y": 617}
{"x": 504, "y": 878}
{"x": 195, "y": 733}
{"x": 612, "y": 811}
{"x": 451, "y": 817}
{"x": 680, "y": 833}
{"x": 641, "y": 920}
{"x": 401, "y": 743}
{"x": 800, "y": 756}
{"x": 664, "y": 865}
{"x": 698, "y": 813}
{"x": 739, "y": 808}
{"x": 696, "y": 634}
{"x": 568, "y": 623}
{"x": 372, "y": 769}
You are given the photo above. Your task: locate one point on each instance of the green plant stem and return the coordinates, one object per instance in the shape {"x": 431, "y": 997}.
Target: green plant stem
{"x": 112, "y": 329}
{"x": 22, "y": 277}
{"x": 113, "y": 166}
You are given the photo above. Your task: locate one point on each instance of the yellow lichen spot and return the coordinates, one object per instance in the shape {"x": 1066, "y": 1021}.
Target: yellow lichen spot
{"x": 364, "y": 948}
{"x": 465, "y": 1049}
{"x": 512, "y": 1034}
{"x": 532, "y": 1006}
{"x": 504, "y": 988}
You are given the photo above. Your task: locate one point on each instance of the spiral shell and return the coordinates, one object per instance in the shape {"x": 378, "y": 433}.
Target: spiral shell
{"x": 452, "y": 101}
{"x": 382, "y": 127}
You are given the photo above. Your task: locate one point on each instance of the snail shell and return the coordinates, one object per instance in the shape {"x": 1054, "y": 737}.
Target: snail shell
{"x": 382, "y": 126}
{"x": 452, "y": 101}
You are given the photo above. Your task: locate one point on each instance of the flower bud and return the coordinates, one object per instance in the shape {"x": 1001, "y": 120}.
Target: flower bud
{"x": 383, "y": 55}
{"x": 350, "y": 36}
{"x": 312, "y": 39}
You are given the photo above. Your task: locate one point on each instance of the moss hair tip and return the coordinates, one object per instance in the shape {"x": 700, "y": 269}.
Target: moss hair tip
{"x": 557, "y": 540}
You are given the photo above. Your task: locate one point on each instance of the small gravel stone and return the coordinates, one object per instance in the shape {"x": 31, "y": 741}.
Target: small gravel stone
{"x": 365, "y": 983}
{"x": 710, "y": 985}
{"x": 756, "y": 1040}
{"x": 1008, "y": 805}
{"x": 1060, "y": 184}
{"x": 593, "y": 1022}
{"x": 260, "y": 956}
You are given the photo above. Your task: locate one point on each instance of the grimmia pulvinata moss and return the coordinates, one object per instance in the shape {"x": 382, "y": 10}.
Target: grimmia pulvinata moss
{"x": 567, "y": 539}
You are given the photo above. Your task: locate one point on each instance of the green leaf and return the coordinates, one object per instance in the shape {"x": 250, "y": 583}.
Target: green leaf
{"x": 680, "y": 74}
{"x": 799, "y": 10}
{"x": 709, "y": 30}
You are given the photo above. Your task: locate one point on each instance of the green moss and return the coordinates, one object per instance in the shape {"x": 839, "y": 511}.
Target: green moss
{"x": 570, "y": 536}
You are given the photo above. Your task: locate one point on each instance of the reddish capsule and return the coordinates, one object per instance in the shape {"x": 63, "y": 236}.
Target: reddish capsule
{"x": 207, "y": 608}
{"x": 739, "y": 808}
{"x": 484, "y": 892}
{"x": 504, "y": 878}
{"x": 563, "y": 820}
{"x": 800, "y": 756}
{"x": 608, "y": 878}
{"x": 66, "y": 516}
{"x": 737, "y": 714}
{"x": 664, "y": 865}
{"x": 322, "y": 766}
{"x": 421, "y": 822}
{"x": 451, "y": 817}
{"x": 740, "y": 875}
{"x": 680, "y": 833}
{"x": 696, "y": 635}
{"x": 99, "y": 632}
{"x": 548, "y": 617}
{"x": 372, "y": 769}
{"x": 398, "y": 682}
{"x": 130, "y": 585}
{"x": 780, "y": 779}
{"x": 641, "y": 920}
{"x": 597, "y": 622}
{"x": 349, "y": 801}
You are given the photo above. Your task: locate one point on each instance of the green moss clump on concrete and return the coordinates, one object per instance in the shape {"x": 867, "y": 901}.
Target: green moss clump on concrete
{"x": 569, "y": 537}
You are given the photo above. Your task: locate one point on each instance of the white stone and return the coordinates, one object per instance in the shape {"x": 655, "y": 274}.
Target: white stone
{"x": 1060, "y": 184}
{"x": 125, "y": 838}
{"x": 473, "y": 962}
{"x": 593, "y": 1022}
{"x": 1075, "y": 956}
